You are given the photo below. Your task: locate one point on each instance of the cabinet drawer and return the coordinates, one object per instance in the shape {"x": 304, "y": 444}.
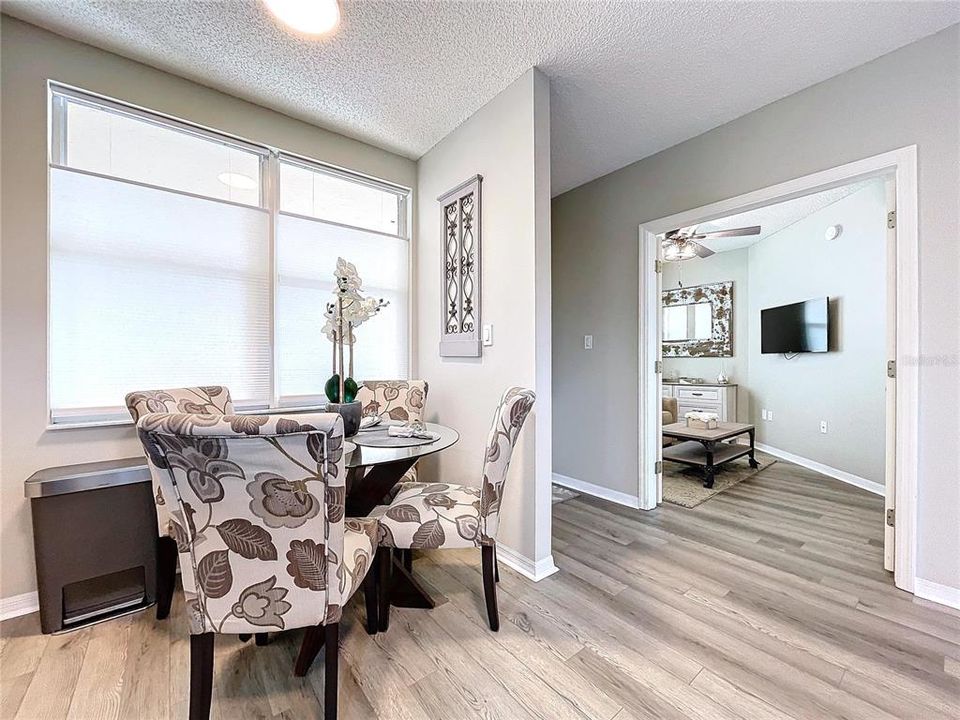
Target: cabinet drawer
{"x": 667, "y": 390}
{"x": 685, "y": 407}
{"x": 699, "y": 394}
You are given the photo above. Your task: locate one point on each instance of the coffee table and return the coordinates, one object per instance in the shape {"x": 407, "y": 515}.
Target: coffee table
{"x": 706, "y": 448}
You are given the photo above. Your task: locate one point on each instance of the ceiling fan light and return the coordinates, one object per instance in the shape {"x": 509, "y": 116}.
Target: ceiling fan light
{"x": 675, "y": 252}
{"x": 311, "y": 17}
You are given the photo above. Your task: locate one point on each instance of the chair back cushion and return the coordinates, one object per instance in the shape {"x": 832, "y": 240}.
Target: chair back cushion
{"x": 394, "y": 399}
{"x": 206, "y": 400}
{"x": 210, "y": 400}
{"x": 257, "y": 504}
{"x": 515, "y": 405}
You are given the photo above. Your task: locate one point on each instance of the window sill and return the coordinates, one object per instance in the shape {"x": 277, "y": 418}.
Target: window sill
{"x": 127, "y": 421}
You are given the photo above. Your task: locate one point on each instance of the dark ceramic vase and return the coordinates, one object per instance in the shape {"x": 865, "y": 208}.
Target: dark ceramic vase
{"x": 350, "y": 412}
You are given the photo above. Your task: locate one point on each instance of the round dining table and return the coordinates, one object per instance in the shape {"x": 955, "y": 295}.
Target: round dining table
{"x": 372, "y": 472}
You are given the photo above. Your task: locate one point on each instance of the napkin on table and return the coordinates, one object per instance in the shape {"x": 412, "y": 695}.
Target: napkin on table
{"x": 408, "y": 431}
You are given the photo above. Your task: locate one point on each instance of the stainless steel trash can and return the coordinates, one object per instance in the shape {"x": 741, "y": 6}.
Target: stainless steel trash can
{"x": 94, "y": 535}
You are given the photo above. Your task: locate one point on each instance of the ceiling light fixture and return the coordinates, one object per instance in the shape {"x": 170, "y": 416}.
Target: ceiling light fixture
{"x": 312, "y": 17}
{"x": 237, "y": 180}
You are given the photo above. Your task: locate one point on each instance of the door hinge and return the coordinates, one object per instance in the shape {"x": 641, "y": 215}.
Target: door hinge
{"x": 658, "y": 266}
{"x": 892, "y": 219}
{"x": 658, "y": 467}
{"x": 657, "y": 366}
{"x": 891, "y": 368}
{"x": 891, "y": 516}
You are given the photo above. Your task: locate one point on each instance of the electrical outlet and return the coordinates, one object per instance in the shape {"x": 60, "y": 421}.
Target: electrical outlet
{"x": 588, "y": 342}
{"x": 769, "y": 414}
{"x": 823, "y": 426}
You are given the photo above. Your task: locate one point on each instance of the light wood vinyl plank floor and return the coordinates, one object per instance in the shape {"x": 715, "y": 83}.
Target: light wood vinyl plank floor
{"x": 768, "y": 602}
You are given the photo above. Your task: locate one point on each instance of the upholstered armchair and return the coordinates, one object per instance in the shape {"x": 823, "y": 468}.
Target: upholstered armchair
{"x": 208, "y": 400}
{"x": 404, "y": 400}
{"x": 442, "y": 515}
{"x": 669, "y": 412}
{"x": 256, "y": 506}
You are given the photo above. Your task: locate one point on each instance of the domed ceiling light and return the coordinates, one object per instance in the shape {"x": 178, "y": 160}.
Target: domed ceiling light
{"x": 311, "y": 17}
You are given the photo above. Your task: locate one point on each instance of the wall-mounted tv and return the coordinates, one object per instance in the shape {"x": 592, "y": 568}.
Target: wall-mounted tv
{"x": 795, "y": 328}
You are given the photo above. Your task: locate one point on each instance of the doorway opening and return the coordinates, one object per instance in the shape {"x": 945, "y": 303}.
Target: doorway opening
{"x": 698, "y": 323}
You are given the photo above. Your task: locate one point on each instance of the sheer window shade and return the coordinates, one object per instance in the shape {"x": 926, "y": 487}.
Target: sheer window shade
{"x": 169, "y": 267}
{"x": 150, "y": 288}
{"x": 307, "y": 252}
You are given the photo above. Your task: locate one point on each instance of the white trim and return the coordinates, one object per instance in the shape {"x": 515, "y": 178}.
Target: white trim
{"x": 935, "y": 592}
{"x": 841, "y": 475}
{"x": 902, "y": 164}
{"x": 615, "y": 496}
{"x": 11, "y": 607}
{"x": 531, "y": 570}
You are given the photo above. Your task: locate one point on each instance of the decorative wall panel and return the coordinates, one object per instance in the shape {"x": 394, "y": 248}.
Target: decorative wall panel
{"x": 460, "y": 311}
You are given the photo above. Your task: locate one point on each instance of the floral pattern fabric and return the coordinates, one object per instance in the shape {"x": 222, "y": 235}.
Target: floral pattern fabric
{"x": 404, "y": 400}
{"x": 209, "y": 400}
{"x": 394, "y": 399}
{"x": 441, "y": 515}
{"x": 257, "y": 506}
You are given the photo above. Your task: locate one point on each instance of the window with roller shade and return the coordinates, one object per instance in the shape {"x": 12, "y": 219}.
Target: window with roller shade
{"x": 322, "y": 217}
{"x": 163, "y": 241}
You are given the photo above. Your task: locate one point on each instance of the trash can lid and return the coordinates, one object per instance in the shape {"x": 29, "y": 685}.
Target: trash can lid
{"x": 86, "y": 476}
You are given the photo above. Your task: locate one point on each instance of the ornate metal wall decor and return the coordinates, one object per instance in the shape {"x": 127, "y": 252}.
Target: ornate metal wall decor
{"x": 720, "y": 342}
{"x": 460, "y": 318}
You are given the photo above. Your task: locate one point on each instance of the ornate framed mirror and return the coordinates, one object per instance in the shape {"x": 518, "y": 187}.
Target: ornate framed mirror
{"x": 698, "y": 321}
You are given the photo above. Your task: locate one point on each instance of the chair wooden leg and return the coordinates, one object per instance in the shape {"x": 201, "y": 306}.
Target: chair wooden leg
{"x": 201, "y": 675}
{"x": 166, "y": 574}
{"x": 385, "y": 563}
{"x": 490, "y": 586}
{"x": 496, "y": 565}
{"x": 263, "y": 639}
{"x": 371, "y": 596}
{"x": 407, "y": 559}
{"x": 331, "y": 680}
{"x": 312, "y": 642}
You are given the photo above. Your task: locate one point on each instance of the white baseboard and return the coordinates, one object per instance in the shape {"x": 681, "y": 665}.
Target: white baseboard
{"x": 621, "y": 498}
{"x": 535, "y": 571}
{"x": 841, "y": 475}
{"x": 18, "y": 605}
{"x": 935, "y": 592}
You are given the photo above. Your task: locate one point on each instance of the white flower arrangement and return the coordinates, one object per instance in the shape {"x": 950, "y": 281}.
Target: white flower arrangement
{"x": 348, "y": 310}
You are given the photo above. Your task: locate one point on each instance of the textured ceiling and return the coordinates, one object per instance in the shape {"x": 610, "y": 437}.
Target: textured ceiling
{"x": 628, "y": 78}
{"x": 774, "y": 218}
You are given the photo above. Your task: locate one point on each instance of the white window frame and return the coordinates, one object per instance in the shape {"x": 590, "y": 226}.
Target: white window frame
{"x": 57, "y": 95}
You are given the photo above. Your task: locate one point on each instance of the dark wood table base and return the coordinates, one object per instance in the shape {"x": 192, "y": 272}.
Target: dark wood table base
{"x": 367, "y": 488}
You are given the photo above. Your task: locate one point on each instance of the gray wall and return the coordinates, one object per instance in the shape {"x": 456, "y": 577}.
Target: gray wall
{"x": 907, "y": 97}
{"x": 31, "y": 56}
{"x": 846, "y": 386}
{"x": 506, "y": 141}
{"x": 721, "y": 267}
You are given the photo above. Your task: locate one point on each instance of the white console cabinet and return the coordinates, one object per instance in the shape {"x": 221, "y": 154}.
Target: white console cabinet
{"x": 720, "y": 399}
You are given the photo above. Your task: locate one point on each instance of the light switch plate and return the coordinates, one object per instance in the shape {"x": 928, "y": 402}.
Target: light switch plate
{"x": 487, "y": 335}
{"x": 588, "y": 342}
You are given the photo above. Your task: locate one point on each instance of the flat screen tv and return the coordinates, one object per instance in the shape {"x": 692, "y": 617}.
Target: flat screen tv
{"x": 795, "y": 328}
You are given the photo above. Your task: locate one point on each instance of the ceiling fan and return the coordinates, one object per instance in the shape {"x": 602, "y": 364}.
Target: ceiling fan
{"x": 681, "y": 244}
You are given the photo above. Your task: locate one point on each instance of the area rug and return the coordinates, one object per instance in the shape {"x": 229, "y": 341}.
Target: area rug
{"x": 683, "y": 485}
{"x": 560, "y": 494}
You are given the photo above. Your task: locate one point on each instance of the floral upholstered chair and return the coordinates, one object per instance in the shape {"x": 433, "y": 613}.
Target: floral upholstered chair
{"x": 441, "y": 515}
{"x": 404, "y": 400}
{"x": 208, "y": 400}
{"x": 257, "y": 512}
